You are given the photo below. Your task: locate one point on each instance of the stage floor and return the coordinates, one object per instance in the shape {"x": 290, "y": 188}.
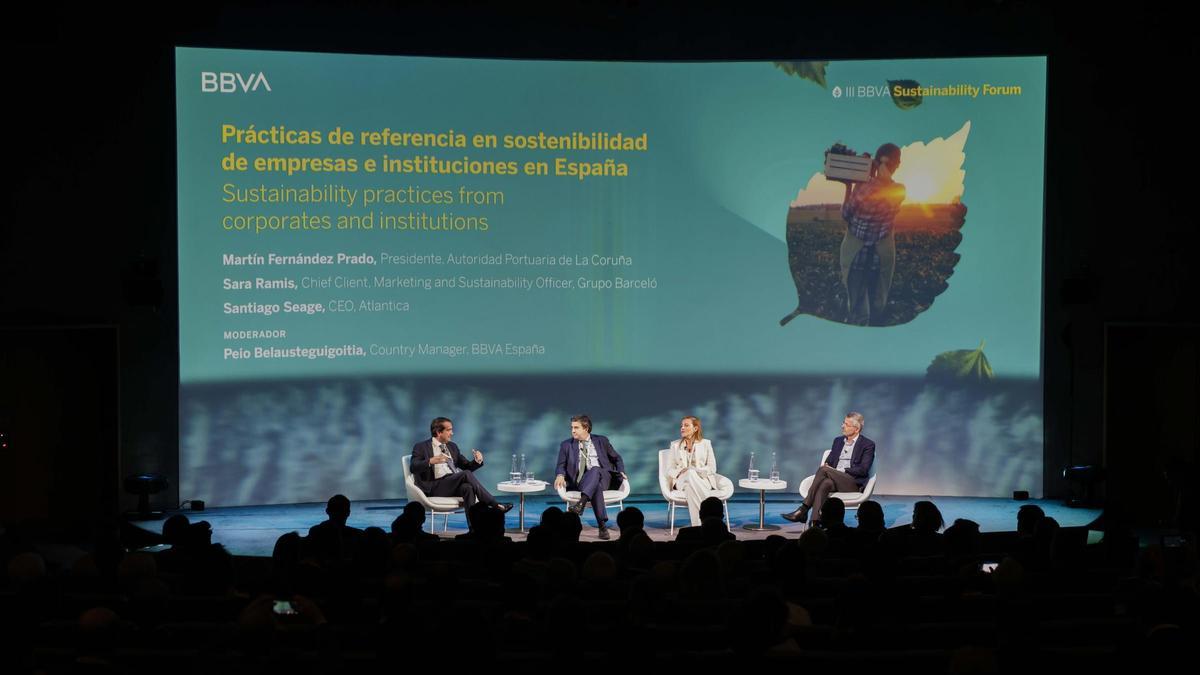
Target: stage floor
{"x": 252, "y": 530}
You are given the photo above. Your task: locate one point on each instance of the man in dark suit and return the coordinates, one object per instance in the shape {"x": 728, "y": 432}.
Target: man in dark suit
{"x": 846, "y": 469}
{"x": 588, "y": 463}
{"x": 440, "y": 470}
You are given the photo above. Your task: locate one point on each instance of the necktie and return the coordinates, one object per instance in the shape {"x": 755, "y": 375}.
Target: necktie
{"x": 449, "y": 458}
{"x": 583, "y": 461}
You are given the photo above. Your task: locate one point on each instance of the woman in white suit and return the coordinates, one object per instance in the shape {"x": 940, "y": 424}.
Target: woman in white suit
{"x": 694, "y": 466}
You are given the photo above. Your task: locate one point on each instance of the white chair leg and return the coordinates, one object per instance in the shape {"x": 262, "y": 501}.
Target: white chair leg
{"x": 671, "y": 517}
{"x": 727, "y": 523}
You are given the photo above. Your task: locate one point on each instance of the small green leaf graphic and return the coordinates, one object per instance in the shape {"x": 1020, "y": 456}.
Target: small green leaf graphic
{"x": 808, "y": 70}
{"x": 960, "y": 365}
{"x": 904, "y": 102}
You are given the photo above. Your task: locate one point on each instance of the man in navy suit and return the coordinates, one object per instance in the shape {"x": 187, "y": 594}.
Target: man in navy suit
{"x": 440, "y": 470}
{"x": 846, "y": 469}
{"x": 588, "y": 463}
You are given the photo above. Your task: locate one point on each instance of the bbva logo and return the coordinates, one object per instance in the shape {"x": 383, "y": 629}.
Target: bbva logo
{"x": 228, "y": 83}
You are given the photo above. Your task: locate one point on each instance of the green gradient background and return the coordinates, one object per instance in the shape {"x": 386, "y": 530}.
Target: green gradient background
{"x": 703, "y": 211}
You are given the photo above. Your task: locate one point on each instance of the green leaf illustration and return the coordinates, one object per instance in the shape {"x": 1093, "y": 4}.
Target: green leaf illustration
{"x": 960, "y": 365}
{"x": 808, "y": 70}
{"x": 905, "y": 102}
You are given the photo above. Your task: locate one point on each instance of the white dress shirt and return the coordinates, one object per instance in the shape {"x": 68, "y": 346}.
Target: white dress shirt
{"x": 442, "y": 470}
{"x": 591, "y": 452}
{"x": 847, "y": 453}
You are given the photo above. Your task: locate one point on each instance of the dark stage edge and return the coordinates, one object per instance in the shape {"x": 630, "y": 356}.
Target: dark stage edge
{"x": 252, "y": 530}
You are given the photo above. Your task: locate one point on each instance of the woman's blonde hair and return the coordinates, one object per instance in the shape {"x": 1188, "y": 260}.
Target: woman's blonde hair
{"x": 698, "y": 434}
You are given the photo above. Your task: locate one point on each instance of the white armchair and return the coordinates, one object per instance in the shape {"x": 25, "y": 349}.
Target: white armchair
{"x": 611, "y": 497}
{"x": 850, "y": 499}
{"x": 434, "y": 505}
{"x": 676, "y": 498}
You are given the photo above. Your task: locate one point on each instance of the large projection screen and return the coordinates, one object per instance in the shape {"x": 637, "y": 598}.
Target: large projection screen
{"x": 369, "y": 242}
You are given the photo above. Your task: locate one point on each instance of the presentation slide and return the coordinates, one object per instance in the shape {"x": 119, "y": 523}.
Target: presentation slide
{"x": 369, "y": 242}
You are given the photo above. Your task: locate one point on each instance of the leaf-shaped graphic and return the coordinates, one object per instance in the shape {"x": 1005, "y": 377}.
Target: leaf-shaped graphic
{"x": 808, "y": 70}
{"x": 896, "y": 254}
{"x": 961, "y": 364}
{"x": 926, "y": 236}
{"x": 904, "y": 102}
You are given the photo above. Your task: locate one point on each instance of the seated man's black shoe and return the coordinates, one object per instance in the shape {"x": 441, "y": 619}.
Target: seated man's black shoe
{"x": 798, "y": 516}
{"x": 604, "y": 533}
{"x": 504, "y": 507}
{"x": 577, "y": 507}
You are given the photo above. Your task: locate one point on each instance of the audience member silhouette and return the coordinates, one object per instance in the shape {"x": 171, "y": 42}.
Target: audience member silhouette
{"x": 407, "y": 527}
{"x": 1028, "y": 517}
{"x": 921, "y": 538}
{"x": 870, "y": 517}
{"x": 862, "y": 540}
{"x": 962, "y": 540}
{"x": 631, "y": 521}
{"x": 486, "y": 525}
{"x": 712, "y": 529}
{"x": 833, "y": 521}
{"x": 334, "y": 542}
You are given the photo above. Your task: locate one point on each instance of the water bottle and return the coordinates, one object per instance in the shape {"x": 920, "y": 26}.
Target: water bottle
{"x": 774, "y": 467}
{"x": 524, "y": 469}
{"x": 515, "y": 474}
{"x": 753, "y": 474}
